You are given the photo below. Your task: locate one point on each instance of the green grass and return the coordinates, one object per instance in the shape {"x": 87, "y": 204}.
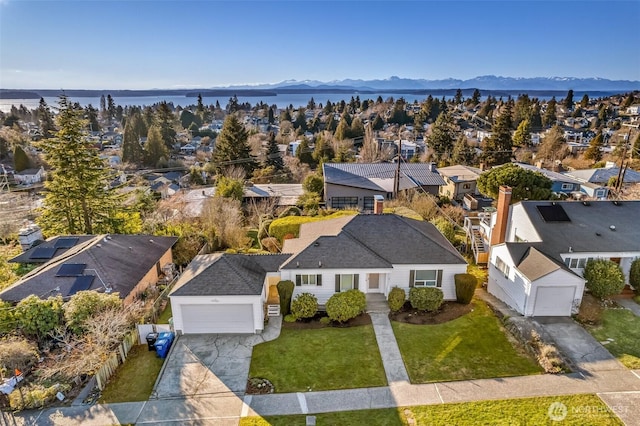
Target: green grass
{"x": 165, "y": 315}
{"x": 582, "y": 410}
{"x": 623, "y": 327}
{"x": 253, "y": 234}
{"x": 322, "y": 359}
{"x": 473, "y": 346}
{"x": 133, "y": 380}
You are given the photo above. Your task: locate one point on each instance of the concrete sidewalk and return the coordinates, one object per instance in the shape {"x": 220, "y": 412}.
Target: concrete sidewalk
{"x": 629, "y": 304}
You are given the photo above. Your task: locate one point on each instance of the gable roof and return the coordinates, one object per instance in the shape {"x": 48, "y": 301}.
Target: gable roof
{"x": 551, "y": 175}
{"x": 602, "y": 175}
{"x": 380, "y": 176}
{"x": 118, "y": 261}
{"x": 221, "y": 274}
{"x": 380, "y": 240}
{"x": 531, "y": 262}
{"x": 460, "y": 173}
{"x": 588, "y": 228}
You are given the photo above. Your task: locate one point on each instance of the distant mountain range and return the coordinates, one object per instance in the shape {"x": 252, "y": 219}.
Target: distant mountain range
{"x": 488, "y": 84}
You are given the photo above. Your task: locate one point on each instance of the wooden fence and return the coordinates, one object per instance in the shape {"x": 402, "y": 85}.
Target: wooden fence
{"x": 117, "y": 358}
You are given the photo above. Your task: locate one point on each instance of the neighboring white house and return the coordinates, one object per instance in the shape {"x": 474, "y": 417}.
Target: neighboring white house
{"x": 29, "y": 176}
{"x": 225, "y": 293}
{"x": 548, "y": 243}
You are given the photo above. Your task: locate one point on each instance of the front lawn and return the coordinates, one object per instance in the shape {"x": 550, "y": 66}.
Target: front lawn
{"x": 321, "y": 359}
{"x": 623, "y": 327}
{"x": 581, "y": 410}
{"x": 471, "y": 347}
{"x": 133, "y": 380}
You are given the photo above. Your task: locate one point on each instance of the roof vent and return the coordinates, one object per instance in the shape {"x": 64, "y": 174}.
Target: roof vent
{"x": 617, "y": 203}
{"x": 570, "y": 249}
{"x": 612, "y": 227}
{"x": 586, "y": 203}
{"x": 319, "y": 263}
{"x": 598, "y": 234}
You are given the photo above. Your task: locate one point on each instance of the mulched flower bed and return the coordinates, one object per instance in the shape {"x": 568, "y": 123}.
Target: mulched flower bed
{"x": 314, "y": 323}
{"x": 447, "y": 312}
{"x": 259, "y": 386}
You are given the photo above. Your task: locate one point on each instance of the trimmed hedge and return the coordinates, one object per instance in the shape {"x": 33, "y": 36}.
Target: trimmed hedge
{"x": 396, "y": 299}
{"x": 465, "y": 287}
{"x": 425, "y": 298}
{"x": 285, "y": 291}
{"x": 344, "y": 306}
{"x": 305, "y": 305}
{"x": 604, "y": 278}
{"x": 634, "y": 275}
{"x": 291, "y": 224}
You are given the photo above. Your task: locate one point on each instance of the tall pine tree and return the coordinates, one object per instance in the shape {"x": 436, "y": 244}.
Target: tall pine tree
{"x": 498, "y": 147}
{"x": 132, "y": 151}
{"x": 232, "y": 147}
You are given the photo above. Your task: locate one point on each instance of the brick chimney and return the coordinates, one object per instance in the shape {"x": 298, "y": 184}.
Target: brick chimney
{"x": 499, "y": 231}
{"x": 378, "y": 204}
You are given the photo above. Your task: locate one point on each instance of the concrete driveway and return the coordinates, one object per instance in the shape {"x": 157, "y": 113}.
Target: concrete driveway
{"x": 201, "y": 365}
{"x": 578, "y": 345}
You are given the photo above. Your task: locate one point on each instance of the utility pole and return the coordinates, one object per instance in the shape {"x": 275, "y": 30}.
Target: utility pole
{"x": 396, "y": 181}
{"x": 624, "y": 155}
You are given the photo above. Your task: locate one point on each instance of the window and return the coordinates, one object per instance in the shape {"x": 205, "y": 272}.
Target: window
{"x": 346, "y": 282}
{"x": 466, "y": 186}
{"x": 567, "y": 186}
{"x": 426, "y": 278}
{"x": 502, "y": 267}
{"x": 308, "y": 279}
{"x": 582, "y": 262}
{"x": 368, "y": 204}
{"x": 344, "y": 202}
{"x": 600, "y": 193}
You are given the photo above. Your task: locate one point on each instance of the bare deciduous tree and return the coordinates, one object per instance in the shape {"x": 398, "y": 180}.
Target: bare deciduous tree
{"x": 222, "y": 221}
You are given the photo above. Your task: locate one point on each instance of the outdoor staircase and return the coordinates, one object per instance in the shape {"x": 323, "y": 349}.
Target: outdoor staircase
{"x": 478, "y": 242}
{"x": 273, "y": 310}
{"x": 377, "y": 303}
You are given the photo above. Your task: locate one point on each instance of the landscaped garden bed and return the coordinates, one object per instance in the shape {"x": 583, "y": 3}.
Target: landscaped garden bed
{"x": 448, "y": 311}
{"x": 472, "y": 346}
{"x": 317, "y": 322}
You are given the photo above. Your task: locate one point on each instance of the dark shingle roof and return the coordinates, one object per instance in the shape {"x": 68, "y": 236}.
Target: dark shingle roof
{"x": 532, "y": 262}
{"x": 120, "y": 261}
{"x": 602, "y": 175}
{"x": 379, "y": 241}
{"x": 29, "y": 256}
{"x": 222, "y": 274}
{"x": 369, "y": 175}
{"x": 589, "y": 227}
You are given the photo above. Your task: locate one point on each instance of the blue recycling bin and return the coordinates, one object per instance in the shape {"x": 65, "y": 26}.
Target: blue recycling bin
{"x": 167, "y": 335}
{"x": 162, "y": 347}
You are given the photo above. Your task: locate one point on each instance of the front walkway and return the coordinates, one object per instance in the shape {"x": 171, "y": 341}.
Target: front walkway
{"x": 629, "y": 304}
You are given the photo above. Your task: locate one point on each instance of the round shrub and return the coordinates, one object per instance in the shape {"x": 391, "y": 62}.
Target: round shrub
{"x": 604, "y": 278}
{"x": 396, "y": 299}
{"x": 344, "y": 306}
{"x": 325, "y": 320}
{"x": 634, "y": 275}
{"x": 425, "y": 298}
{"x": 305, "y": 305}
{"x": 290, "y": 318}
{"x": 465, "y": 287}
{"x": 285, "y": 291}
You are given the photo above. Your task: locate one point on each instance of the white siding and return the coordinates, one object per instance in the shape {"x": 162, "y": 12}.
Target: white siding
{"x": 512, "y": 290}
{"x": 520, "y": 225}
{"x": 400, "y": 277}
{"x": 178, "y": 303}
{"x": 559, "y": 278}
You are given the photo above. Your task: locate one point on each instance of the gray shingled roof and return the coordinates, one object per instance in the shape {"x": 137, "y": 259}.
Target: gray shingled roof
{"x": 602, "y": 175}
{"x": 553, "y": 176}
{"x": 369, "y": 175}
{"x": 533, "y": 263}
{"x": 25, "y": 257}
{"x": 121, "y": 261}
{"x": 589, "y": 227}
{"x": 379, "y": 240}
{"x": 222, "y": 274}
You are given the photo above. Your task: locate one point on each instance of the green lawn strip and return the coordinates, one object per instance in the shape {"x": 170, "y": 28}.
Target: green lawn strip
{"x": 165, "y": 315}
{"x": 321, "y": 359}
{"x": 623, "y": 327}
{"x": 582, "y": 410}
{"x": 470, "y": 347}
{"x": 133, "y": 380}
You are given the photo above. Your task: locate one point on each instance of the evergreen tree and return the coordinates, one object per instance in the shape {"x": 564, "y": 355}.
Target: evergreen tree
{"x": 475, "y": 98}
{"x": 331, "y": 124}
{"x": 103, "y": 105}
{"x": 285, "y": 116}
{"x": 132, "y": 151}
{"x": 311, "y": 104}
{"x": 378, "y": 123}
{"x": 535, "y": 119}
{"x": 357, "y": 128}
{"x": 155, "y": 150}
{"x": 442, "y": 137}
{"x": 550, "y": 118}
{"x": 301, "y": 121}
{"x": 45, "y": 120}
{"x": 77, "y": 199}
{"x": 91, "y": 114}
{"x": 584, "y": 102}
{"x": 457, "y": 99}
{"x": 200, "y": 109}
{"x": 522, "y": 136}
{"x": 498, "y": 147}
{"x": 593, "y": 152}
{"x": 21, "y": 160}
{"x": 166, "y": 121}
{"x": 522, "y": 109}
{"x": 271, "y": 117}
{"x": 628, "y": 101}
{"x": 273, "y": 157}
{"x": 304, "y": 153}
{"x": 343, "y": 131}
{"x": 323, "y": 151}
{"x": 111, "y": 108}
{"x": 462, "y": 152}
{"x": 568, "y": 101}
{"x": 232, "y": 147}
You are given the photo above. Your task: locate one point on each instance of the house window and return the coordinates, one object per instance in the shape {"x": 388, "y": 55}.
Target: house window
{"x": 344, "y": 202}
{"x": 308, "y": 279}
{"x": 425, "y": 278}
{"x": 567, "y": 186}
{"x": 502, "y": 267}
{"x": 368, "y": 204}
{"x": 346, "y": 282}
{"x": 582, "y": 262}
{"x": 600, "y": 193}
{"x": 466, "y": 186}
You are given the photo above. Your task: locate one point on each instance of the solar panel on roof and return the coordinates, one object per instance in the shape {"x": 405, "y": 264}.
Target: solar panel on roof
{"x": 66, "y": 242}
{"x": 553, "y": 213}
{"x": 81, "y": 283}
{"x": 71, "y": 270}
{"x": 43, "y": 253}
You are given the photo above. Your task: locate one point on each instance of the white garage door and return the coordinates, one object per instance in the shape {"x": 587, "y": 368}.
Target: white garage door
{"x": 554, "y": 301}
{"x": 217, "y": 319}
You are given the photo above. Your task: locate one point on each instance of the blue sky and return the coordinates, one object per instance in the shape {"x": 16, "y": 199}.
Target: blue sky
{"x": 169, "y": 44}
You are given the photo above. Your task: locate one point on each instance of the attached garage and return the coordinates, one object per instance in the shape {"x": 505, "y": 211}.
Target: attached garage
{"x": 217, "y": 319}
{"x": 554, "y": 301}
{"x": 223, "y": 293}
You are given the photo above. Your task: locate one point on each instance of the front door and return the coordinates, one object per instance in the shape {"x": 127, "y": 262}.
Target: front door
{"x": 374, "y": 283}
